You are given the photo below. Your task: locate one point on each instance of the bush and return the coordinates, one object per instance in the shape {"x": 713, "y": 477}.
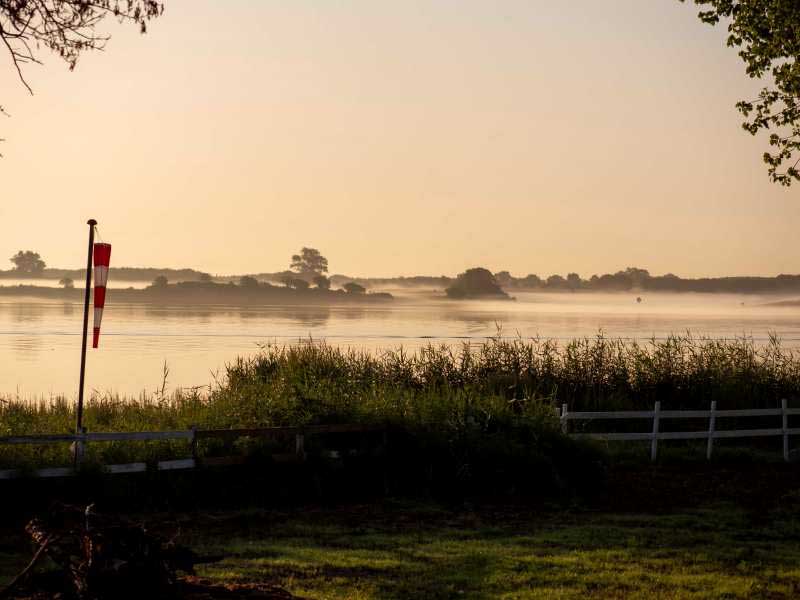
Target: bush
{"x": 475, "y": 283}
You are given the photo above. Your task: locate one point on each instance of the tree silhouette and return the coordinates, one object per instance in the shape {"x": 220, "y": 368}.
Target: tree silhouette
{"x": 556, "y": 281}
{"x": 475, "y": 283}
{"x": 767, "y": 34}
{"x": 160, "y": 282}
{"x": 354, "y": 288}
{"x": 309, "y": 263}
{"x": 322, "y": 282}
{"x": 28, "y": 262}
{"x": 298, "y": 284}
{"x": 573, "y": 281}
{"x": 67, "y": 27}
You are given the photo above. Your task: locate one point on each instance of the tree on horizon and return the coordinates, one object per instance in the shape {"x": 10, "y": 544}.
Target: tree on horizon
{"x": 309, "y": 263}
{"x": 322, "y": 282}
{"x": 28, "y": 263}
{"x": 475, "y": 283}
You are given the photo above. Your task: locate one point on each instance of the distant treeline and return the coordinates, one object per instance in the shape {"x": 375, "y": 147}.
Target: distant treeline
{"x": 629, "y": 280}
{"x": 120, "y": 274}
{"x": 633, "y": 279}
{"x": 248, "y": 291}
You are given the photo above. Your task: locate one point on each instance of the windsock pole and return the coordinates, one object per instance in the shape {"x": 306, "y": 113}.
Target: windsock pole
{"x": 79, "y": 414}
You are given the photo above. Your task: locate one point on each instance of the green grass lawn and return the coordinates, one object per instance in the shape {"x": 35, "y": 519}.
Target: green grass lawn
{"x": 422, "y": 551}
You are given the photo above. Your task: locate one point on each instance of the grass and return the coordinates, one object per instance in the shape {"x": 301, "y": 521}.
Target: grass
{"x": 478, "y": 420}
{"x": 707, "y": 553}
{"x": 424, "y": 551}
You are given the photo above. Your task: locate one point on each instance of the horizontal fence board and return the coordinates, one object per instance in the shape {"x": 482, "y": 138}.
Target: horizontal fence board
{"x": 39, "y": 439}
{"x": 138, "y": 436}
{"x": 744, "y": 433}
{"x": 682, "y": 435}
{"x": 265, "y": 432}
{"x": 611, "y": 437}
{"x": 275, "y": 432}
{"x": 686, "y": 414}
{"x": 54, "y": 472}
{"x": 174, "y": 465}
{"x": 755, "y": 412}
{"x": 622, "y": 414}
{"x": 222, "y": 461}
{"x": 345, "y": 428}
{"x": 137, "y": 467}
{"x": 678, "y": 414}
{"x": 9, "y": 474}
{"x": 685, "y": 435}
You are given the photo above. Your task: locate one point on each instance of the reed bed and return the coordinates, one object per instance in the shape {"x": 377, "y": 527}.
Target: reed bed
{"x": 492, "y": 400}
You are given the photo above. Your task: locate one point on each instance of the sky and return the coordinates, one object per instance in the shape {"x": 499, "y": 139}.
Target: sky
{"x": 399, "y": 138}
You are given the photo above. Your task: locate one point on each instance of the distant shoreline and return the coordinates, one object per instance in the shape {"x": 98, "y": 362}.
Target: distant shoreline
{"x": 205, "y": 293}
{"x": 632, "y": 280}
{"x": 784, "y": 303}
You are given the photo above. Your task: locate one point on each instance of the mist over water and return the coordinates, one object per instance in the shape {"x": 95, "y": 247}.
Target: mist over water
{"x": 40, "y": 340}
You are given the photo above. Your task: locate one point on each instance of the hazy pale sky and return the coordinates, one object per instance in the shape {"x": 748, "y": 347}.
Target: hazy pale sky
{"x": 399, "y": 138}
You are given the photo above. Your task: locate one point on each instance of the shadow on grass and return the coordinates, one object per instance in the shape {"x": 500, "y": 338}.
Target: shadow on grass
{"x": 709, "y": 553}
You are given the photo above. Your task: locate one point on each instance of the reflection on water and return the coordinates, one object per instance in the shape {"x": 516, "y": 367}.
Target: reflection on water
{"x": 40, "y": 340}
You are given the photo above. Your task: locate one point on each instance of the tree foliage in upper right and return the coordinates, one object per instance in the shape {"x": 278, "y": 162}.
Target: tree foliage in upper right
{"x": 767, "y": 34}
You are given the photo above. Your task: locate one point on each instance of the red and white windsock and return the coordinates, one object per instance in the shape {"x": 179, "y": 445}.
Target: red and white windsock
{"x": 102, "y": 258}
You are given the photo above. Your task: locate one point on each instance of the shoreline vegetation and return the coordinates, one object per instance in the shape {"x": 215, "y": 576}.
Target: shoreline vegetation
{"x": 473, "y": 408}
{"x": 630, "y": 280}
{"x": 205, "y": 292}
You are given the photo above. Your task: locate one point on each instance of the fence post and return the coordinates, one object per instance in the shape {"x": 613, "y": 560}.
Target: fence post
{"x": 654, "y": 443}
{"x": 194, "y": 443}
{"x": 564, "y": 426}
{"x": 300, "y": 446}
{"x": 712, "y": 425}
{"x": 785, "y": 427}
{"x": 79, "y": 448}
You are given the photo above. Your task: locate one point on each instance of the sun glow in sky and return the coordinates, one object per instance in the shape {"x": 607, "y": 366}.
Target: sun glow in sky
{"x": 414, "y": 137}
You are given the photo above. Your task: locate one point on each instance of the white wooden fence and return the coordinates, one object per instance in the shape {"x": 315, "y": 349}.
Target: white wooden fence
{"x": 710, "y": 434}
{"x": 192, "y": 436}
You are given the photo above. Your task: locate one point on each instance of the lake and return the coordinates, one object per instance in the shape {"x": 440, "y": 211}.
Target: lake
{"x": 40, "y": 340}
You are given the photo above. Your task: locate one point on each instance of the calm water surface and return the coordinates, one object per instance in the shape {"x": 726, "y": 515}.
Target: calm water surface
{"x": 40, "y": 340}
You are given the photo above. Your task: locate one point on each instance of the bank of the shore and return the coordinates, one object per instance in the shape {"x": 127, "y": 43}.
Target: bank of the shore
{"x": 205, "y": 293}
{"x": 481, "y": 418}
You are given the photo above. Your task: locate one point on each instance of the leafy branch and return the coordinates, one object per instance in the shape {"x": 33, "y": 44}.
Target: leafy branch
{"x": 767, "y": 33}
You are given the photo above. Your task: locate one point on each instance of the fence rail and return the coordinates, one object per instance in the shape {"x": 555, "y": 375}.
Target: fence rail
{"x": 710, "y": 434}
{"x": 192, "y": 436}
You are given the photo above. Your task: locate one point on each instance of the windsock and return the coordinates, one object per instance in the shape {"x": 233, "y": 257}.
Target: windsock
{"x": 102, "y": 258}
